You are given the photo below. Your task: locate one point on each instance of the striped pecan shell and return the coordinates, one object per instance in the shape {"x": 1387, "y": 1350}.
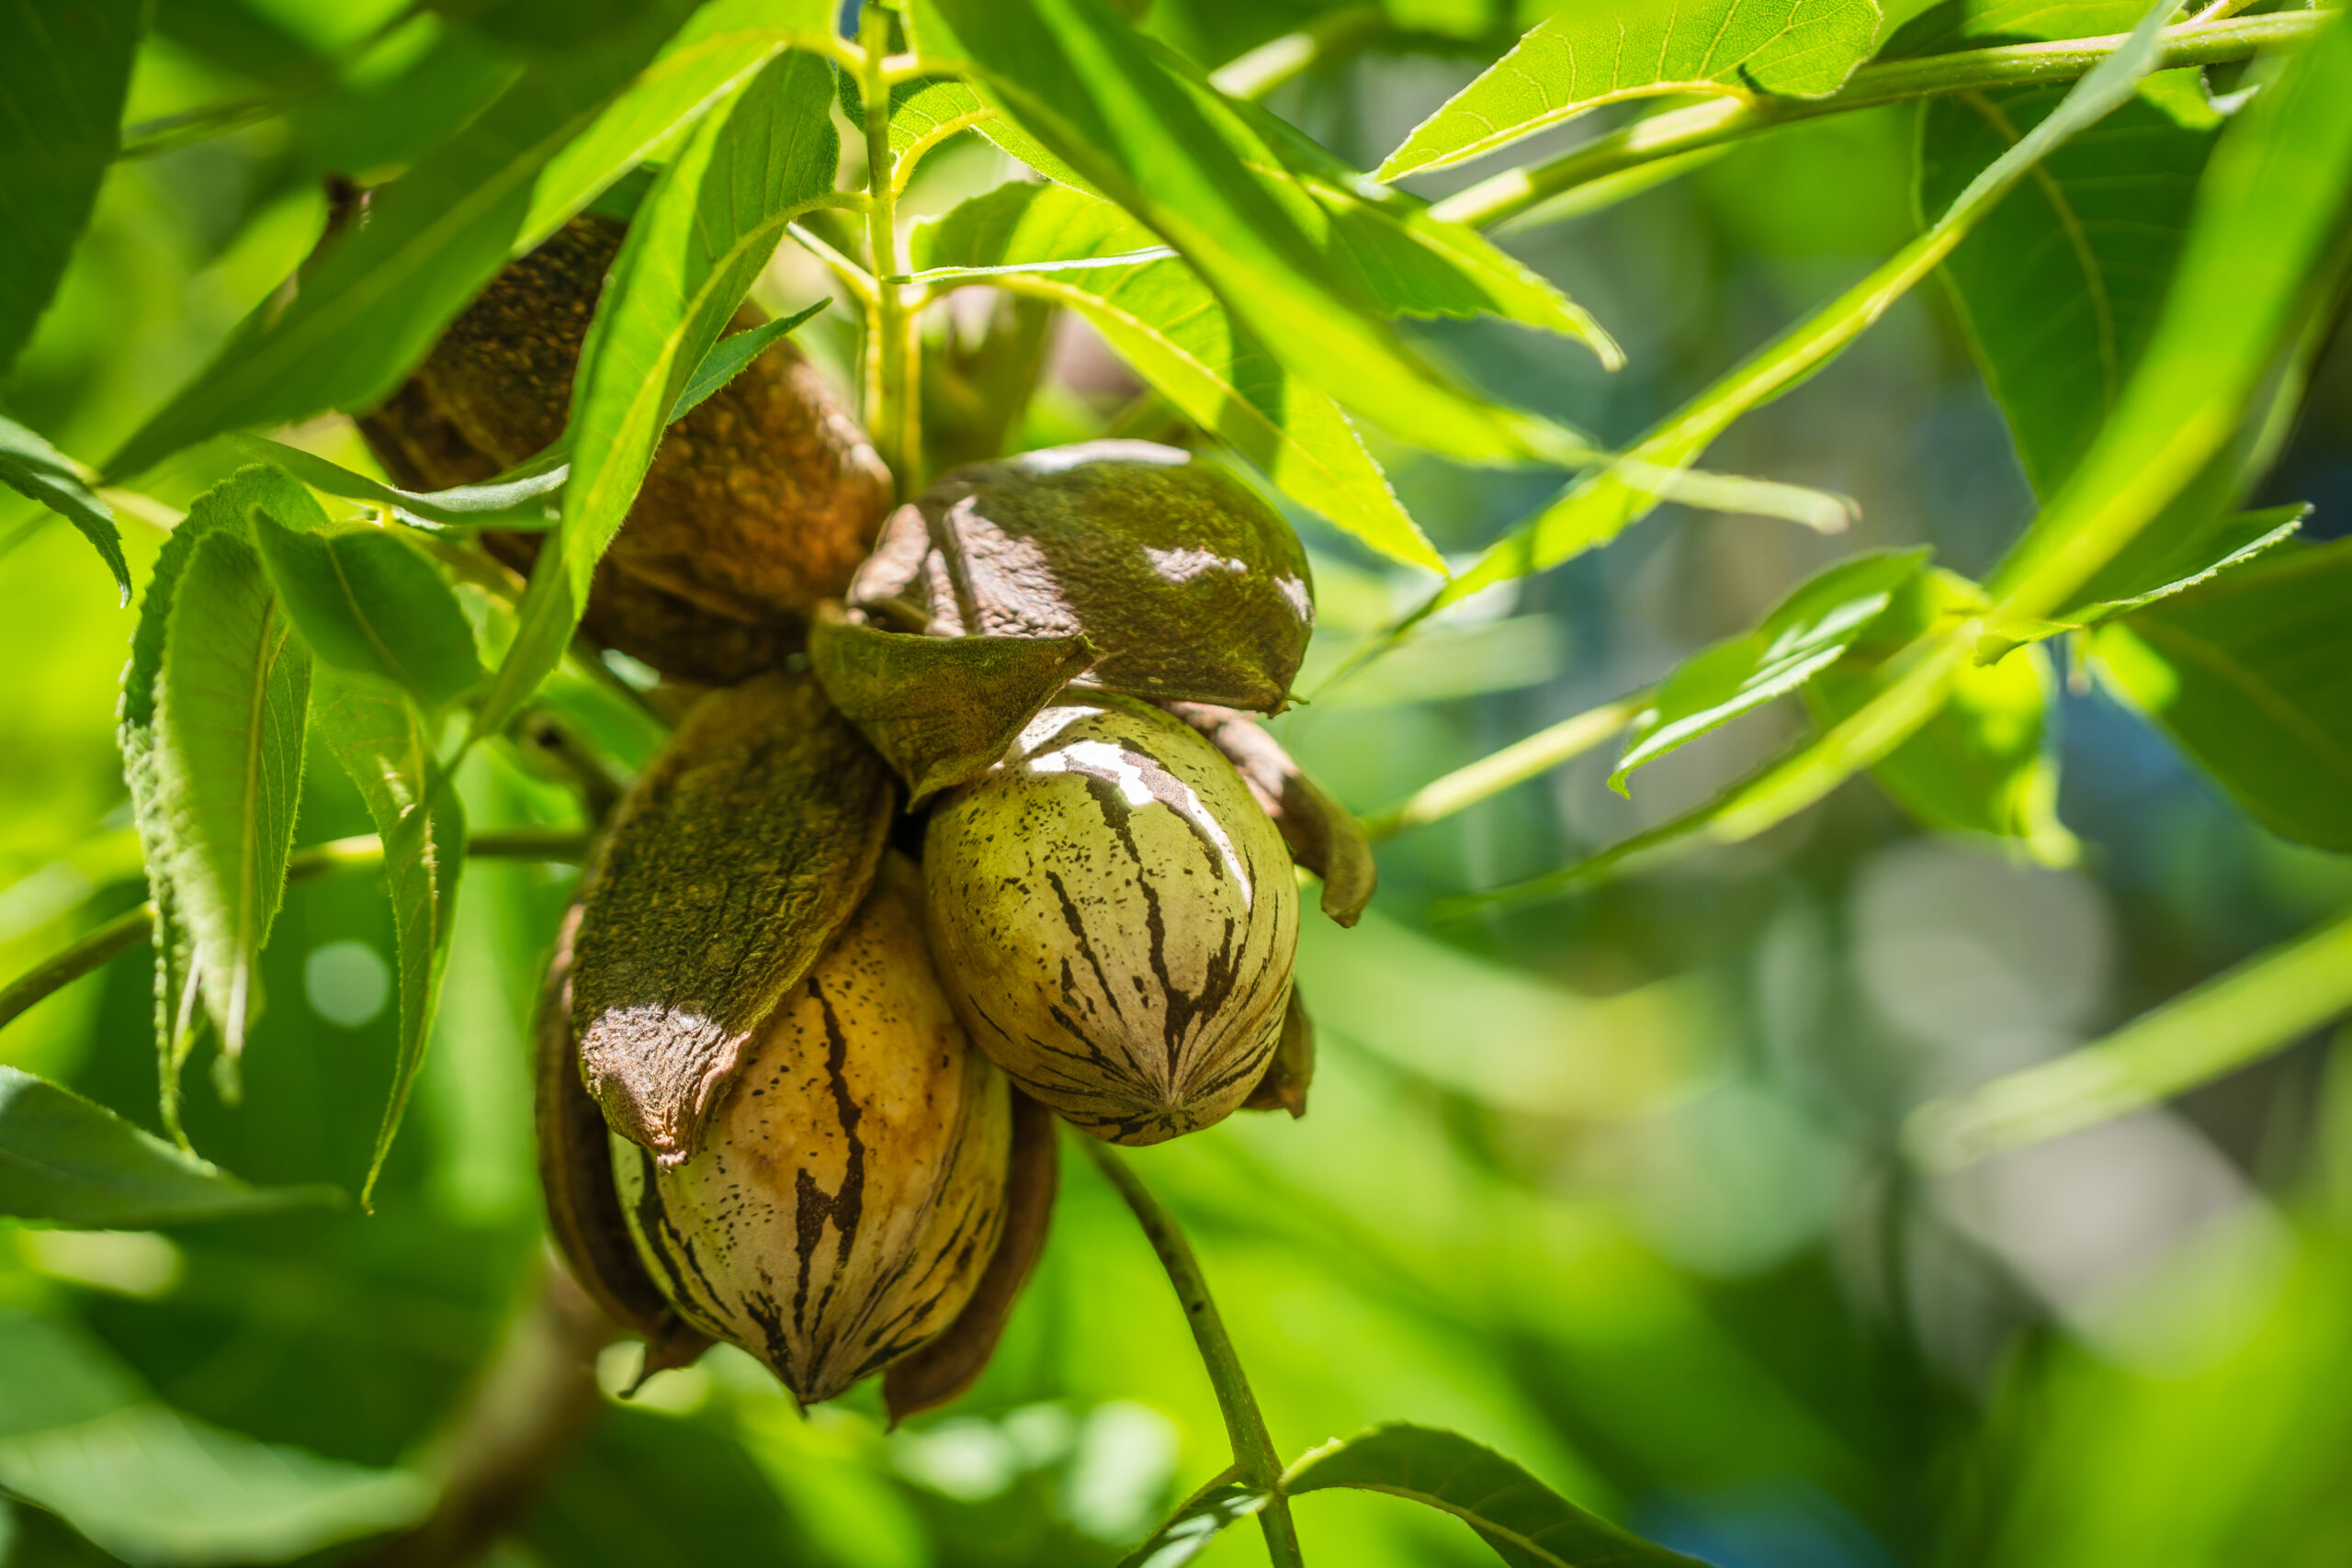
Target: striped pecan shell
{"x": 1115, "y": 919}
{"x": 851, "y": 1190}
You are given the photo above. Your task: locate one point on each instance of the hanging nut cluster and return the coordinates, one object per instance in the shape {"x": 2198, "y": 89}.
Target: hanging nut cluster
{"x": 796, "y": 1088}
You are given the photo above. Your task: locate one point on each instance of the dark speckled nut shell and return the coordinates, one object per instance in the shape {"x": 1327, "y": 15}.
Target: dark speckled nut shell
{"x": 1115, "y": 919}
{"x": 851, "y": 1193}
{"x": 760, "y": 503}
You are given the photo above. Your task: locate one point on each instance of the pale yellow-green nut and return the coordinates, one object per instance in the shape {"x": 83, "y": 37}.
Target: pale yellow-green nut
{"x": 1115, "y": 919}
{"x": 850, "y": 1190}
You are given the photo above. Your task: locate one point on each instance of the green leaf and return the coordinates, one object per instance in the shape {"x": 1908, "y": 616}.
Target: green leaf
{"x": 2269, "y": 1002}
{"x": 2060, "y": 286}
{"x": 2157, "y": 565}
{"x": 1608, "y": 499}
{"x": 1160, "y": 318}
{"x": 1176, "y": 155}
{"x": 508, "y": 501}
{"x": 503, "y": 503}
{"x": 1190, "y": 1531}
{"x": 1807, "y": 632}
{"x": 2251, "y": 674}
{"x": 1416, "y": 263}
{"x": 67, "y": 1161}
{"x": 33, "y": 469}
{"x": 368, "y": 604}
{"x": 154, "y": 771}
{"x": 1527, "y": 1523}
{"x": 383, "y": 742}
{"x": 718, "y": 50}
{"x": 373, "y": 304}
{"x": 231, "y": 701}
{"x": 707, "y": 228}
{"x": 1983, "y": 763}
{"x": 158, "y": 1489}
{"x": 731, "y": 355}
{"x": 1605, "y": 52}
{"x": 63, "y": 76}
{"x": 2261, "y": 263}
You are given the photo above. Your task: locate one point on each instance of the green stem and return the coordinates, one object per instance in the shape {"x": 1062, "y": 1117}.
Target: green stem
{"x": 894, "y": 403}
{"x": 1275, "y": 61}
{"x": 1718, "y": 121}
{"x": 1253, "y": 1448}
{"x": 1514, "y": 764}
{"x": 359, "y": 853}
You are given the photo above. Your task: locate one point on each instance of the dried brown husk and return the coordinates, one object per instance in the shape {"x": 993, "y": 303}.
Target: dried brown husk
{"x": 731, "y": 863}
{"x": 851, "y": 1194}
{"x": 1292, "y": 1072}
{"x": 576, "y": 1177}
{"x": 940, "y": 709}
{"x": 1115, "y": 919}
{"x": 759, "y": 504}
{"x": 939, "y": 1371}
{"x": 1323, "y": 835}
{"x": 1187, "y": 582}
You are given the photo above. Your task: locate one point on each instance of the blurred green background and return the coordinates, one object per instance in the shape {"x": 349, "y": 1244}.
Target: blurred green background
{"x": 1609, "y": 1184}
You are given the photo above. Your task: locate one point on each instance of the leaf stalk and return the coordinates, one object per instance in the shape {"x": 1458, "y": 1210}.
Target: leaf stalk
{"x": 1253, "y": 1447}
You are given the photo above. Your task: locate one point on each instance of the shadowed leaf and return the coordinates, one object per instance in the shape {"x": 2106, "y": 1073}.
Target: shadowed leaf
{"x": 35, "y": 469}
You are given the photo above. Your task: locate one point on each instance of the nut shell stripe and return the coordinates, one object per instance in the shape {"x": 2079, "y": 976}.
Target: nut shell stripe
{"x": 1115, "y": 919}
{"x": 853, "y": 1189}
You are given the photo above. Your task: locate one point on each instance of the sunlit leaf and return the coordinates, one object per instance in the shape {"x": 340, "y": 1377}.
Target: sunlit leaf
{"x": 2269, "y": 1002}
{"x": 1190, "y": 1531}
{"x": 2060, "y": 286}
{"x": 1804, "y": 633}
{"x": 33, "y": 469}
{"x": 231, "y": 703}
{"x": 2157, "y": 565}
{"x": 153, "y": 770}
{"x": 383, "y": 743}
{"x": 1605, "y": 52}
{"x": 63, "y": 76}
{"x": 2252, "y": 675}
{"x": 159, "y": 1489}
{"x": 731, "y": 355}
{"x": 707, "y": 228}
{"x": 1610, "y": 499}
{"x": 720, "y": 47}
{"x": 1527, "y": 1523}
{"x": 1163, "y": 321}
{"x": 1416, "y": 263}
{"x": 367, "y": 603}
{"x": 67, "y": 1161}
{"x": 1984, "y": 762}
{"x": 1176, "y": 155}
{"x": 373, "y": 304}
{"x": 2263, "y": 256}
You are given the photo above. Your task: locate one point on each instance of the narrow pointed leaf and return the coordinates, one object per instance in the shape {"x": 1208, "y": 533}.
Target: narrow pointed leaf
{"x": 2265, "y": 253}
{"x": 64, "y": 77}
{"x": 1174, "y": 152}
{"x": 2252, "y": 675}
{"x": 232, "y": 699}
{"x": 1593, "y": 52}
{"x": 382, "y": 742}
{"x": 33, "y": 469}
{"x": 373, "y": 304}
{"x": 1804, "y": 635}
{"x": 1527, "y": 1523}
{"x": 1610, "y": 499}
{"x": 67, "y": 1161}
{"x": 368, "y": 604}
{"x": 1169, "y": 326}
{"x": 706, "y": 230}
